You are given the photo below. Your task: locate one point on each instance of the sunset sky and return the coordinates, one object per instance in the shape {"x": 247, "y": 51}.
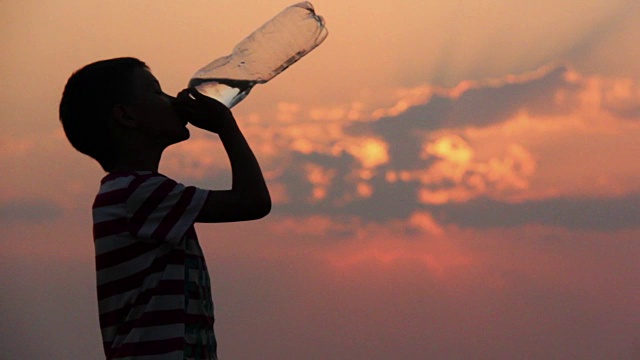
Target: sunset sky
{"x": 451, "y": 179}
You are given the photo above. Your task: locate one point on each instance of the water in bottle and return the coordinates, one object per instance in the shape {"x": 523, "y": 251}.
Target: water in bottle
{"x": 268, "y": 51}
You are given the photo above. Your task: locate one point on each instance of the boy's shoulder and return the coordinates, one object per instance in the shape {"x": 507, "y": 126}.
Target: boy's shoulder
{"x": 146, "y": 205}
{"x": 126, "y": 179}
{"x": 124, "y": 176}
{"x": 118, "y": 187}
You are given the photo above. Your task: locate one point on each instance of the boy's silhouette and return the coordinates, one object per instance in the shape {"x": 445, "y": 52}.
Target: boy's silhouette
{"x": 153, "y": 286}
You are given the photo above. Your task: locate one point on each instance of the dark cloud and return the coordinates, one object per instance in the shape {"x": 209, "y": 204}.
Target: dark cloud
{"x": 388, "y": 201}
{"x": 479, "y": 106}
{"x": 398, "y": 201}
{"x": 588, "y": 214}
{"x": 299, "y": 186}
{"x": 628, "y": 113}
{"x": 483, "y": 104}
{"x": 29, "y": 210}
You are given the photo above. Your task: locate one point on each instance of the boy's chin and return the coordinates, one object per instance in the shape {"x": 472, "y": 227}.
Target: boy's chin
{"x": 184, "y": 135}
{"x": 187, "y": 133}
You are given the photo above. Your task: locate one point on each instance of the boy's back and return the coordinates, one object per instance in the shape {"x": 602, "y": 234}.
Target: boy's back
{"x": 154, "y": 293}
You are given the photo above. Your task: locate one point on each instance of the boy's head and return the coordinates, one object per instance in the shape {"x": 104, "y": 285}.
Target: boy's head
{"x": 109, "y": 98}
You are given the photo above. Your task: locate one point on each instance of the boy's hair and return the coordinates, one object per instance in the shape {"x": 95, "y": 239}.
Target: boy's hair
{"x": 87, "y": 104}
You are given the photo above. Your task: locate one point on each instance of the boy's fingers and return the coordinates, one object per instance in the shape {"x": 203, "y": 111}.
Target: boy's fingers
{"x": 201, "y": 97}
{"x": 195, "y": 93}
{"x": 196, "y": 100}
{"x": 189, "y": 94}
{"x": 184, "y": 95}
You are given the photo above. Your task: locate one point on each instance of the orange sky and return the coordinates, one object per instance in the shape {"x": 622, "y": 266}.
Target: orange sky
{"x": 451, "y": 179}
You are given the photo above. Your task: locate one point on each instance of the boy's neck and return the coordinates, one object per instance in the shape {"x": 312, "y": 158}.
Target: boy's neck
{"x": 138, "y": 161}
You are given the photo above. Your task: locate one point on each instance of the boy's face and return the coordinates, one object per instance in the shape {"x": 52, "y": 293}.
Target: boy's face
{"x": 154, "y": 112}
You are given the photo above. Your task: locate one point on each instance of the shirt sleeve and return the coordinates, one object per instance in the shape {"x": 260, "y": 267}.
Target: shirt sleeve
{"x": 160, "y": 209}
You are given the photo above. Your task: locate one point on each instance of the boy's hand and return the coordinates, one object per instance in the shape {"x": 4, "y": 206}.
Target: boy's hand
{"x": 202, "y": 111}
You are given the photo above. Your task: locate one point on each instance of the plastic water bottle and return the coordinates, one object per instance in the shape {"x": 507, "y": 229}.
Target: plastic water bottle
{"x": 268, "y": 51}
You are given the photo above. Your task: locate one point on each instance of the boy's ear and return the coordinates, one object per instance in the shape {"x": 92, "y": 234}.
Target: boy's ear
{"x": 123, "y": 116}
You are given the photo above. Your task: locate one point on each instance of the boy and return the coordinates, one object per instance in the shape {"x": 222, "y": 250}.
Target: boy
{"x": 153, "y": 287}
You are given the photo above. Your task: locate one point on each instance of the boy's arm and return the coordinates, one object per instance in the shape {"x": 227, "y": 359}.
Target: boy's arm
{"x": 249, "y": 197}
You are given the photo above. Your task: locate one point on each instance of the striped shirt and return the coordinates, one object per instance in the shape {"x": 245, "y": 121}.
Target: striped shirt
{"x": 154, "y": 292}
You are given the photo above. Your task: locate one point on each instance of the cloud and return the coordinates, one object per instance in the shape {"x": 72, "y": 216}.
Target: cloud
{"x": 609, "y": 214}
{"x": 477, "y": 156}
{"x": 29, "y": 210}
{"x": 479, "y": 103}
